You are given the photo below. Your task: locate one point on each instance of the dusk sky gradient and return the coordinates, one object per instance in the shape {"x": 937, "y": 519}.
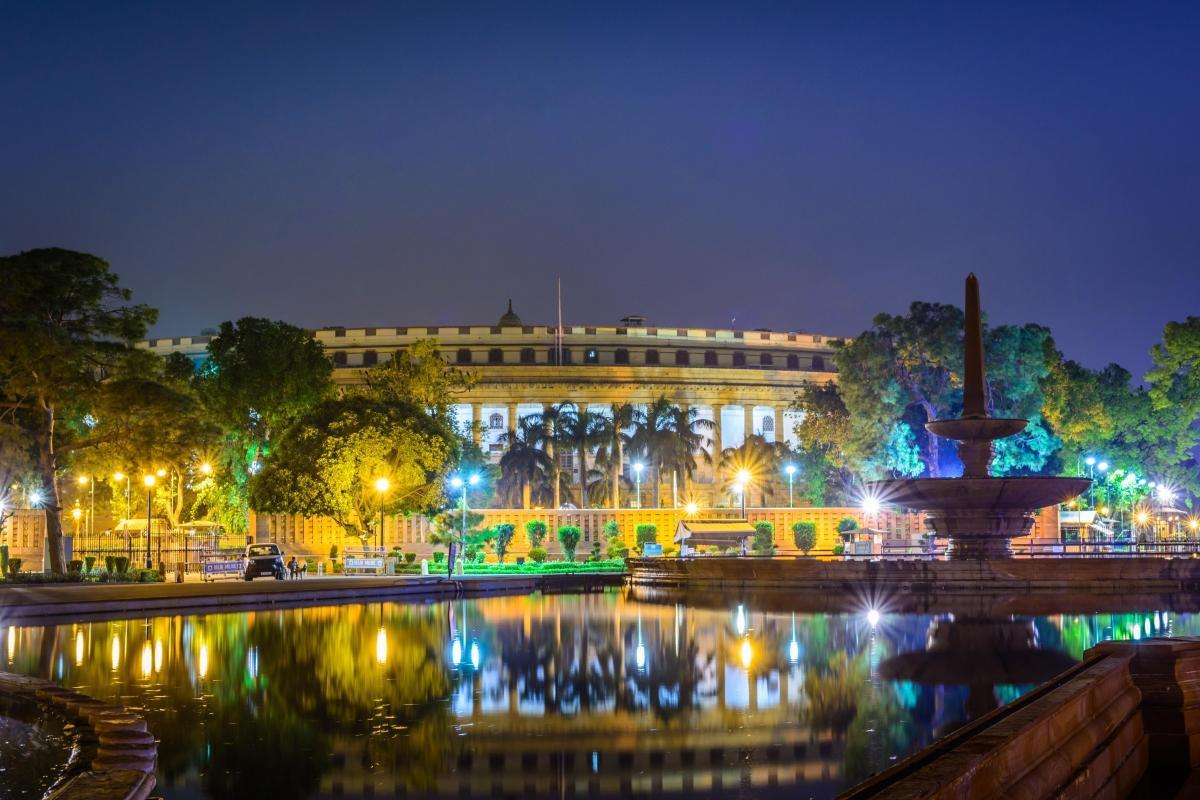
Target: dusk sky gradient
{"x": 794, "y": 166}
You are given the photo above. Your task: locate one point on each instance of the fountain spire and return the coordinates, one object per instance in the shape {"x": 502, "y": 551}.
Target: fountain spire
{"x": 974, "y": 405}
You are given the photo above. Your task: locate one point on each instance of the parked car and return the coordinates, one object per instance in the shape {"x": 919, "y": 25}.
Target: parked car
{"x": 263, "y": 559}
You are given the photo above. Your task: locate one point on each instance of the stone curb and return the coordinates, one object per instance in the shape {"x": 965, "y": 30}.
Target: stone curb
{"x": 114, "y": 755}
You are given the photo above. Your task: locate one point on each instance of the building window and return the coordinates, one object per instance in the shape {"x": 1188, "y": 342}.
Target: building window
{"x": 339, "y": 358}
{"x": 818, "y": 363}
{"x": 495, "y": 356}
{"x": 464, "y": 356}
{"x": 621, "y": 356}
{"x": 739, "y": 359}
{"x": 793, "y": 361}
{"x": 710, "y": 358}
{"x": 681, "y": 358}
{"x": 370, "y": 358}
{"x": 765, "y": 360}
{"x": 768, "y": 425}
{"x": 496, "y": 422}
{"x": 552, "y": 356}
{"x": 566, "y": 459}
{"x": 651, "y": 356}
{"x": 528, "y": 356}
{"x": 591, "y": 356}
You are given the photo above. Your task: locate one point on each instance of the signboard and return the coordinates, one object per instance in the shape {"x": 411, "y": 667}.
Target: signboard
{"x": 363, "y": 563}
{"x": 214, "y": 568}
{"x": 652, "y": 549}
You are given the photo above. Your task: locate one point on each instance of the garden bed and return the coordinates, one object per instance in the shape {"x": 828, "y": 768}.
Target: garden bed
{"x": 545, "y": 568}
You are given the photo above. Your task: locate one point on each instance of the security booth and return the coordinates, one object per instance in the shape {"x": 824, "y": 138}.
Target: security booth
{"x": 723, "y": 533}
{"x": 862, "y": 542}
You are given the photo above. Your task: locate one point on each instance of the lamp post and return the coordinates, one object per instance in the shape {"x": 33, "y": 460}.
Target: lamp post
{"x": 76, "y": 513}
{"x": 381, "y": 486}
{"x": 91, "y": 525}
{"x": 637, "y": 473}
{"x": 149, "y": 480}
{"x": 1091, "y": 465}
{"x": 743, "y": 482}
{"x": 791, "y": 473}
{"x": 458, "y": 483}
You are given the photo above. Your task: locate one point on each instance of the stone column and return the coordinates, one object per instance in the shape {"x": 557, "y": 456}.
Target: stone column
{"x": 779, "y": 425}
{"x": 748, "y": 415}
{"x": 476, "y": 422}
{"x": 716, "y": 437}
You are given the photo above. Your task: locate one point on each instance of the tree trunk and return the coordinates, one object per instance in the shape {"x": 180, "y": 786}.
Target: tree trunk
{"x": 555, "y": 471}
{"x": 657, "y": 484}
{"x": 583, "y": 469}
{"x": 526, "y": 494}
{"x": 47, "y": 469}
{"x": 615, "y": 478}
{"x": 933, "y": 444}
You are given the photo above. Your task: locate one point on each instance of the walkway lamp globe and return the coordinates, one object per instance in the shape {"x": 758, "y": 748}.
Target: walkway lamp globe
{"x": 1105, "y": 510}
{"x": 149, "y": 481}
{"x": 691, "y": 509}
{"x": 790, "y": 469}
{"x": 205, "y": 468}
{"x": 1102, "y": 466}
{"x": 870, "y": 505}
{"x": 637, "y": 472}
{"x": 1090, "y": 461}
{"x": 76, "y": 513}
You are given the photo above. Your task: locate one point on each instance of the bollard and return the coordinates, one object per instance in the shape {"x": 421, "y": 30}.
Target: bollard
{"x": 424, "y": 566}
{"x": 320, "y": 568}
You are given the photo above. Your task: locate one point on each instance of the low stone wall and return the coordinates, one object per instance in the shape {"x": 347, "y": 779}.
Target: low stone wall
{"x": 114, "y": 754}
{"x": 1080, "y": 736}
{"x": 1101, "y": 575}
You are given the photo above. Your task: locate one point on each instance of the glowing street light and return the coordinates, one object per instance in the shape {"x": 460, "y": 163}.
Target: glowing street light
{"x": 458, "y": 483}
{"x": 790, "y": 469}
{"x": 85, "y": 480}
{"x": 381, "y": 485}
{"x": 205, "y": 468}
{"x": 691, "y": 509}
{"x": 637, "y": 472}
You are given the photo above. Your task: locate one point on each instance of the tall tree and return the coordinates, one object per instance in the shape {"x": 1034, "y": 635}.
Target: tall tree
{"x": 583, "y": 430}
{"x": 654, "y": 440}
{"x": 622, "y": 418}
{"x": 64, "y": 322}
{"x": 524, "y": 465}
{"x": 260, "y": 377}
{"x": 691, "y": 443}
{"x": 549, "y": 421}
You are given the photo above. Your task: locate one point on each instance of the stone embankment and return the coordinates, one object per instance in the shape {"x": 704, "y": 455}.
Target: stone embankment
{"x": 1125, "y": 722}
{"x": 114, "y": 754}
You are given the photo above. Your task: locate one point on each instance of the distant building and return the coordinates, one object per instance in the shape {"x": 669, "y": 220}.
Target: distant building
{"x": 744, "y": 381}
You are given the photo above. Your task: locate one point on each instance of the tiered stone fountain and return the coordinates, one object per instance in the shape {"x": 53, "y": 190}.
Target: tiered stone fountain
{"x": 978, "y": 513}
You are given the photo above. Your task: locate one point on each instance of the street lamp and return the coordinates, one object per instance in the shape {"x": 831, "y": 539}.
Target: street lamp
{"x": 120, "y": 476}
{"x": 205, "y": 468}
{"x": 1091, "y": 465}
{"x": 381, "y": 486}
{"x": 791, "y": 473}
{"x": 149, "y": 480}
{"x": 458, "y": 483}
{"x": 76, "y": 513}
{"x": 637, "y": 472}
{"x": 743, "y": 482}
{"x": 91, "y": 526}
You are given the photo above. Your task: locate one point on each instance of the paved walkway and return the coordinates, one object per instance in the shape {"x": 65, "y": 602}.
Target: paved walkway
{"x": 64, "y": 601}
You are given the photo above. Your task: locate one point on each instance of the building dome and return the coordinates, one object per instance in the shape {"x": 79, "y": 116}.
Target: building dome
{"x": 509, "y": 320}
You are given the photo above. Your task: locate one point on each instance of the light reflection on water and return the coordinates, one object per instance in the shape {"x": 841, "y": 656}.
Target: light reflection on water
{"x": 544, "y": 695}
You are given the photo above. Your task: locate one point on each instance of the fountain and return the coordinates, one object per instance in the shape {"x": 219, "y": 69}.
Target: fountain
{"x": 979, "y": 513}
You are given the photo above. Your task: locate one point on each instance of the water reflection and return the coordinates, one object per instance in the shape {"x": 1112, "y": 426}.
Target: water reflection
{"x": 539, "y": 696}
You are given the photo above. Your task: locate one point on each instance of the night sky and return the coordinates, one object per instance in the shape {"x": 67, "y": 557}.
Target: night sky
{"x": 793, "y": 166}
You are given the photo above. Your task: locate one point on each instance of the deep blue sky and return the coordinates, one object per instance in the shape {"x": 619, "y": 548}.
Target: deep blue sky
{"x": 796, "y": 166}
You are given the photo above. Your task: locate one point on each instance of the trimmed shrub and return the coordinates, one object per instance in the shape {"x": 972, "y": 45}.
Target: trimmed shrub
{"x": 764, "y": 538}
{"x": 110, "y": 564}
{"x": 3, "y": 559}
{"x": 568, "y": 537}
{"x": 14, "y": 565}
{"x": 122, "y": 563}
{"x": 595, "y": 556}
{"x": 333, "y": 551}
{"x": 505, "y": 532}
{"x": 645, "y": 533}
{"x": 847, "y": 524}
{"x": 805, "y": 536}
{"x": 75, "y": 565}
{"x": 410, "y": 558}
{"x": 537, "y": 555}
{"x": 470, "y": 551}
{"x": 536, "y": 530}
{"x": 89, "y": 562}
{"x": 839, "y": 549}
{"x": 616, "y": 542}
{"x": 439, "y": 557}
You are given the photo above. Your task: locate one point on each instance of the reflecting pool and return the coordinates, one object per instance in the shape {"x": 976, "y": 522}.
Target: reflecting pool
{"x": 540, "y": 696}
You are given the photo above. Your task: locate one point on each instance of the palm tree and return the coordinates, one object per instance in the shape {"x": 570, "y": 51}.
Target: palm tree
{"x": 691, "y": 440}
{"x": 759, "y": 457}
{"x": 524, "y": 465}
{"x": 582, "y": 430}
{"x": 623, "y": 416}
{"x": 653, "y": 439}
{"x": 548, "y": 432}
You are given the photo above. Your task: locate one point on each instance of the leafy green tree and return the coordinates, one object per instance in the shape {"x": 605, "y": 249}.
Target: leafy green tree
{"x": 504, "y": 533}
{"x": 805, "y": 535}
{"x": 615, "y": 541}
{"x": 260, "y": 376}
{"x": 536, "y": 530}
{"x": 327, "y": 463}
{"x": 568, "y": 537}
{"x": 824, "y": 427}
{"x": 65, "y": 322}
{"x": 764, "y": 538}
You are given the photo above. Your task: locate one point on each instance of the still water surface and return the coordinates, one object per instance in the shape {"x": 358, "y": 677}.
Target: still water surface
{"x": 590, "y": 695}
